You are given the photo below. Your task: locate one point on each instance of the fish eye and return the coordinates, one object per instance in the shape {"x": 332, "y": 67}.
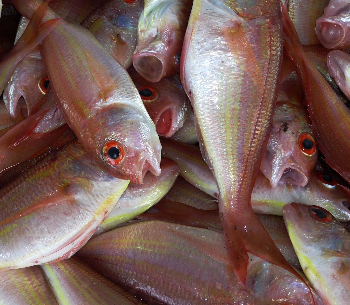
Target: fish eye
{"x": 307, "y": 144}
{"x": 320, "y": 214}
{"x": 113, "y": 153}
{"x": 43, "y": 84}
{"x": 326, "y": 179}
{"x": 147, "y": 93}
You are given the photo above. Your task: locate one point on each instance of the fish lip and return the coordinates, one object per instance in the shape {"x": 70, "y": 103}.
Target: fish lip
{"x": 149, "y": 65}
{"x": 166, "y": 114}
{"x": 283, "y": 176}
{"x": 323, "y": 25}
{"x": 292, "y": 209}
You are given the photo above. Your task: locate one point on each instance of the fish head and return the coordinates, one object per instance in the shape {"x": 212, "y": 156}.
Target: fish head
{"x": 323, "y": 192}
{"x": 126, "y": 143}
{"x": 311, "y": 228}
{"x": 291, "y": 152}
{"x": 165, "y": 102}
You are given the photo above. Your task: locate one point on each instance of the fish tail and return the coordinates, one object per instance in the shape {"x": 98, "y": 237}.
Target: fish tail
{"x": 247, "y": 234}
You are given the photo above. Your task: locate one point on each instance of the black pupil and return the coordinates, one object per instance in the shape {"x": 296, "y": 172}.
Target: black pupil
{"x": 46, "y": 84}
{"x": 319, "y": 213}
{"x": 327, "y": 178}
{"x": 146, "y": 92}
{"x": 113, "y": 153}
{"x": 308, "y": 144}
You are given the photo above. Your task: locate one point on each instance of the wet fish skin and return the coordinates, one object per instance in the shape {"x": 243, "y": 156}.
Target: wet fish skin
{"x": 159, "y": 267}
{"x": 25, "y": 286}
{"x": 63, "y": 199}
{"x": 322, "y": 246}
{"x": 237, "y": 53}
{"x": 74, "y": 282}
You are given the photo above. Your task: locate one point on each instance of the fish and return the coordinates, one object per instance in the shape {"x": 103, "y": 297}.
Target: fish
{"x": 115, "y": 24}
{"x": 74, "y": 282}
{"x": 165, "y": 101}
{"x": 149, "y": 257}
{"x": 332, "y": 28}
{"x": 291, "y": 152}
{"x": 237, "y": 54}
{"x": 110, "y": 119}
{"x": 329, "y": 116}
{"x": 161, "y": 30}
{"x": 63, "y": 199}
{"x": 321, "y": 188}
{"x": 7, "y": 121}
{"x": 25, "y": 286}
{"x": 322, "y": 246}
{"x": 138, "y": 198}
{"x": 187, "y": 133}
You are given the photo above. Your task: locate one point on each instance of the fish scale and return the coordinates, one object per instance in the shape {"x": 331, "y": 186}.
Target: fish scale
{"x": 239, "y": 66}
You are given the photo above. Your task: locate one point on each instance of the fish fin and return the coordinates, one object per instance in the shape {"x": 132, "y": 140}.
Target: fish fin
{"x": 252, "y": 237}
{"x": 32, "y": 36}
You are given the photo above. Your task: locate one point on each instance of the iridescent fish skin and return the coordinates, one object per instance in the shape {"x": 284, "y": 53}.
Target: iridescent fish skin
{"x": 265, "y": 199}
{"x": 330, "y": 118}
{"x": 304, "y": 14}
{"x": 63, "y": 199}
{"x": 6, "y": 120}
{"x": 322, "y": 246}
{"x": 138, "y": 198}
{"x": 333, "y": 27}
{"x": 174, "y": 264}
{"x": 100, "y": 103}
{"x": 291, "y": 152}
{"x": 74, "y": 282}
{"x": 161, "y": 31}
{"x": 25, "y": 286}
{"x": 237, "y": 54}
{"x": 115, "y": 25}
{"x": 338, "y": 63}
{"x": 165, "y": 101}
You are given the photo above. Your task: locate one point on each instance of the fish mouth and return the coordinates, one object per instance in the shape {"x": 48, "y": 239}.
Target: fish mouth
{"x": 149, "y": 66}
{"x": 330, "y": 32}
{"x": 292, "y": 210}
{"x": 289, "y": 174}
{"x": 337, "y": 63}
{"x": 164, "y": 123}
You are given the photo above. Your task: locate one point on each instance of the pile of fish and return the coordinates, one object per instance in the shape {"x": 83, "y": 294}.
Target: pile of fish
{"x": 149, "y": 149}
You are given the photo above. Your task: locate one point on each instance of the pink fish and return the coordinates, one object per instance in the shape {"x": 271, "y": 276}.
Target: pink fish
{"x": 291, "y": 152}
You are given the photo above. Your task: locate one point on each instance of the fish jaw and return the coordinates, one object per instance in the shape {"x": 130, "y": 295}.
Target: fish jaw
{"x": 332, "y": 29}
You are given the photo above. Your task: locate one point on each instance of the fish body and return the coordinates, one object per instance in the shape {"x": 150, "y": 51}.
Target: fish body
{"x": 291, "y": 152}
{"x": 25, "y": 286}
{"x": 63, "y": 199}
{"x": 161, "y": 31}
{"x": 175, "y": 264}
{"x": 74, "y": 282}
{"x": 237, "y": 54}
{"x": 322, "y": 246}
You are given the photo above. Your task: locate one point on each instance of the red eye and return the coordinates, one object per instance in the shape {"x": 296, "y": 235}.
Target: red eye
{"x": 147, "y": 93}
{"x": 307, "y": 144}
{"x": 320, "y": 214}
{"x": 43, "y": 84}
{"x": 113, "y": 153}
{"x": 326, "y": 179}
